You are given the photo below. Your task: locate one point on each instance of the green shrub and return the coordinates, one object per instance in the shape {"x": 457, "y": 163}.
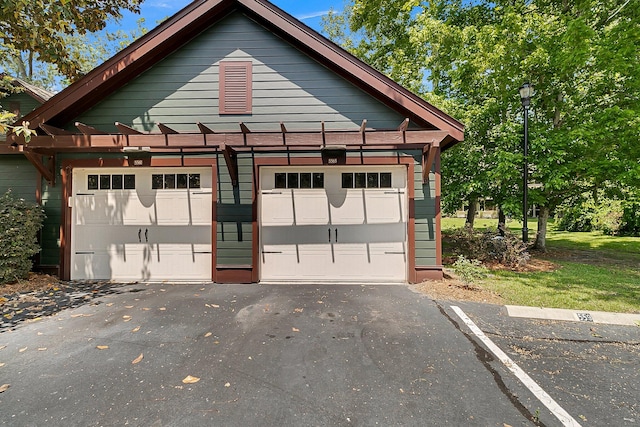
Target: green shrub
{"x": 20, "y": 222}
{"x": 612, "y": 217}
{"x": 630, "y": 221}
{"x": 489, "y": 246}
{"x": 578, "y": 217}
{"x": 469, "y": 270}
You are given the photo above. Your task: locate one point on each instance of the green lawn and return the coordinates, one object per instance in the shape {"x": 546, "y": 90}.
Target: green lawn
{"x": 604, "y": 274}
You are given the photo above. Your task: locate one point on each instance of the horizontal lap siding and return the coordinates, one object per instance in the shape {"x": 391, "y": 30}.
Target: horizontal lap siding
{"x": 19, "y": 176}
{"x": 234, "y": 214}
{"x": 425, "y": 214}
{"x": 52, "y": 205}
{"x": 288, "y": 87}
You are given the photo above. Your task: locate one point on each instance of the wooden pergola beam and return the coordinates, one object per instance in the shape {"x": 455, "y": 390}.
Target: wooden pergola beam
{"x": 410, "y": 138}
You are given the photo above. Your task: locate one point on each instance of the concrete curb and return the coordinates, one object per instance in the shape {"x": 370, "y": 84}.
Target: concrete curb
{"x": 574, "y": 315}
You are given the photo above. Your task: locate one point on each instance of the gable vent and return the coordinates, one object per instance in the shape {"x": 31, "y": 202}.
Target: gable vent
{"x": 235, "y": 87}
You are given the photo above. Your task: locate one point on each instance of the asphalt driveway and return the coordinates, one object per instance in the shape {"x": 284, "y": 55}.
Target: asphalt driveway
{"x": 249, "y": 355}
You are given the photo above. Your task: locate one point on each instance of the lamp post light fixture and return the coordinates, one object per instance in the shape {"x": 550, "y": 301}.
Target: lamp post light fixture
{"x": 526, "y": 92}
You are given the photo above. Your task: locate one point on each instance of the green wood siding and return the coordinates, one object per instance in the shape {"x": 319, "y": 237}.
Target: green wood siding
{"x": 234, "y": 214}
{"x": 19, "y": 176}
{"x": 25, "y": 101}
{"x": 425, "y": 212}
{"x": 288, "y": 87}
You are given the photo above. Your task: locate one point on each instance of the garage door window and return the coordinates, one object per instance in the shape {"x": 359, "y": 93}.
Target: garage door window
{"x": 299, "y": 180}
{"x": 366, "y": 180}
{"x": 170, "y": 181}
{"x": 111, "y": 182}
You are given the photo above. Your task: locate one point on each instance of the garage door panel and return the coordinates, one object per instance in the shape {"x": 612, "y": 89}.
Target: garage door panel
{"x": 142, "y": 233}
{"x": 333, "y": 234}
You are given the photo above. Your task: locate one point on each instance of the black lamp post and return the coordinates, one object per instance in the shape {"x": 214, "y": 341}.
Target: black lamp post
{"x": 526, "y": 91}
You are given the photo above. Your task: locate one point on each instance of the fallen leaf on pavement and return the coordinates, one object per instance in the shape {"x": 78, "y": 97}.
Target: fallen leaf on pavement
{"x": 22, "y": 350}
{"x": 208, "y": 334}
{"x": 109, "y": 304}
{"x": 102, "y": 347}
{"x": 146, "y": 309}
{"x": 40, "y": 333}
{"x": 2, "y": 346}
{"x": 136, "y": 329}
{"x": 4, "y": 387}
{"x": 162, "y": 308}
{"x": 295, "y": 329}
{"x": 125, "y": 317}
{"x": 190, "y": 380}
{"x": 138, "y": 359}
{"x": 42, "y": 349}
{"x": 80, "y": 315}
{"x": 215, "y": 306}
{"x": 298, "y": 310}
{"x": 320, "y": 302}
{"x": 227, "y": 385}
{"x": 2, "y": 364}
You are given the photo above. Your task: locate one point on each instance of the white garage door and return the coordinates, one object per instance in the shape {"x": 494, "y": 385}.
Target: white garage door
{"x": 141, "y": 224}
{"x": 333, "y": 224}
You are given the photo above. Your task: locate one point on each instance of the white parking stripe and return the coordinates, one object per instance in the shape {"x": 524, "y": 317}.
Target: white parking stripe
{"x": 564, "y": 417}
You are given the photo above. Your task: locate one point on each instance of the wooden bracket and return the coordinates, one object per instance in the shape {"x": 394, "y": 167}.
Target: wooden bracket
{"x": 231, "y": 159}
{"x": 428, "y": 157}
{"x": 403, "y": 126}
{"x": 47, "y": 171}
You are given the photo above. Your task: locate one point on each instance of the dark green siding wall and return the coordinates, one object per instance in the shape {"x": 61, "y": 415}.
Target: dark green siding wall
{"x": 19, "y": 176}
{"x": 52, "y": 205}
{"x": 287, "y": 87}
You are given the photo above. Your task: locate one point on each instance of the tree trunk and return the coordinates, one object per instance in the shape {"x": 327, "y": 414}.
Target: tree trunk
{"x": 471, "y": 213}
{"x": 502, "y": 221}
{"x": 541, "y": 235}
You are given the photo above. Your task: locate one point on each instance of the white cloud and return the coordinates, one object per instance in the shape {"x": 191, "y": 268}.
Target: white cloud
{"x": 162, "y": 5}
{"x": 312, "y": 15}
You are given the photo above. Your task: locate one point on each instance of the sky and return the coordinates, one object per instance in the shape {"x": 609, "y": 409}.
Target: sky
{"x": 308, "y": 11}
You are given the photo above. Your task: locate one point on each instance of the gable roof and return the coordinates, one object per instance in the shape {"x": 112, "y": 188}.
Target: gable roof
{"x": 192, "y": 20}
{"x": 39, "y": 94}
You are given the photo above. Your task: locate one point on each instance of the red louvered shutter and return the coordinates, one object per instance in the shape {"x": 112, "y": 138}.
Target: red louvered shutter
{"x": 235, "y": 87}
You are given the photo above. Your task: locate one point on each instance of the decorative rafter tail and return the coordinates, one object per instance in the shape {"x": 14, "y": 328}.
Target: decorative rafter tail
{"x": 127, "y": 130}
{"x": 204, "y": 129}
{"x": 53, "y": 131}
{"x": 166, "y": 129}
{"x": 89, "y": 130}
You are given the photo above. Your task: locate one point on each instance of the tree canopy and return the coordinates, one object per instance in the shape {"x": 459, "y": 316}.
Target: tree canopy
{"x": 40, "y": 29}
{"x": 580, "y": 56}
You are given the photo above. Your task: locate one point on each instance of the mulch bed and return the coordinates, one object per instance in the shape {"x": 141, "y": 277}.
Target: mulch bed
{"x": 21, "y": 304}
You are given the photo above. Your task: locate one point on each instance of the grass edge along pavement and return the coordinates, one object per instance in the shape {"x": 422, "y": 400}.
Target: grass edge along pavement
{"x": 590, "y": 271}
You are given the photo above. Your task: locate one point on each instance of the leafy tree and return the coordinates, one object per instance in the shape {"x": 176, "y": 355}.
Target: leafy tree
{"x": 580, "y": 56}
{"x": 33, "y": 30}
